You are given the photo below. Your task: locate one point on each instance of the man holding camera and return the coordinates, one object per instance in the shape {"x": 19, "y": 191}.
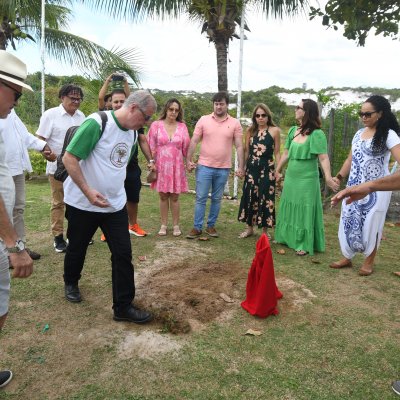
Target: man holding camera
{"x": 105, "y": 100}
{"x": 133, "y": 182}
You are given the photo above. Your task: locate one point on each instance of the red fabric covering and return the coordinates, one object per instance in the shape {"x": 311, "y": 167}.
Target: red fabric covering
{"x": 262, "y": 294}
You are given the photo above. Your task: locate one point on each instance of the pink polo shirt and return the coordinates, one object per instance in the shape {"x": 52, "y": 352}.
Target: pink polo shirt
{"x": 217, "y": 138}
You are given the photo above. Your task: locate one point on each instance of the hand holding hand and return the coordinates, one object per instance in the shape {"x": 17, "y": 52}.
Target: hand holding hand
{"x": 48, "y": 154}
{"x": 239, "y": 173}
{"x": 190, "y": 166}
{"x": 151, "y": 166}
{"x": 278, "y": 176}
{"x": 333, "y": 184}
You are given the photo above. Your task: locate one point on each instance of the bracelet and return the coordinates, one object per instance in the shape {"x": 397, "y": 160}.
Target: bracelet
{"x": 340, "y": 177}
{"x": 151, "y": 161}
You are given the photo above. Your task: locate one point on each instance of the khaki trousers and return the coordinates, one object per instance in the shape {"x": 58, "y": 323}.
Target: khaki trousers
{"x": 19, "y": 206}
{"x": 57, "y": 206}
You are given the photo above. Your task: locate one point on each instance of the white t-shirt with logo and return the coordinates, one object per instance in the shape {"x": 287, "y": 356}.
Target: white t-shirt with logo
{"x": 103, "y": 160}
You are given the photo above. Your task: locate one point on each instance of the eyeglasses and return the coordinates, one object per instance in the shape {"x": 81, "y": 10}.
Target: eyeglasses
{"x": 171, "y": 109}
{"x": 299, "y": 108}
{"x": 367, "y": 114}
{"x": 146, "y": 117}
{"x": 75, "y": 99}
{"x": 17, "y": 94}
{"x": 261, "y": 115}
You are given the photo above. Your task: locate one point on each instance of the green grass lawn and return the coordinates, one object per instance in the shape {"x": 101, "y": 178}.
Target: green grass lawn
{"x": 337, "y": 335}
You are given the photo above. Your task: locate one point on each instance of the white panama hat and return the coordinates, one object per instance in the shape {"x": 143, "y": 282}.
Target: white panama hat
{"x": 12, "y": 69}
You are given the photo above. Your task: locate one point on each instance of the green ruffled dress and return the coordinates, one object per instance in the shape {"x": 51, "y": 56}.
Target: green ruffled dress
{"x": 300, "y": 220}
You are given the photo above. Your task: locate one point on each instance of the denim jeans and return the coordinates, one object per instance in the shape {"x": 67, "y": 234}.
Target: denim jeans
{"x": 206, "y": 178}
{"x": 81, "y": 227}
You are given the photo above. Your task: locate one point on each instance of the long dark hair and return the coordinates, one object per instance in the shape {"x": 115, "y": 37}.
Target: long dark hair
{"x": 311, "y": 119}
{"x": 179, "y": 117}
{"x": 385, "y": 122}
{"x": 254, "y": 126}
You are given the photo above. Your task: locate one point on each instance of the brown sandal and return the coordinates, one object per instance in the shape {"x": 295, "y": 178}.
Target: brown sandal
{"x": 246, "y": 234}
{"x": 341, "y": 264}
{"x": 363, "y": 272}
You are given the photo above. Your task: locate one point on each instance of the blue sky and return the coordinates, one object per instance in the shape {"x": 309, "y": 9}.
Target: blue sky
{"x": 287, "y": 53}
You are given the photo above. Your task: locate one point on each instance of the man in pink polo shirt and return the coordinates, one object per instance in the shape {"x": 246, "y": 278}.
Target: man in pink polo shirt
{"x": 217, "y": 133}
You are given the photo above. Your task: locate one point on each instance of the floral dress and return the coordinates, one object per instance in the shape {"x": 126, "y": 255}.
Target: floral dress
{"x": 257, "y": 205}
{"x": 169, "y": 155}
{"x": 361, "y": 222}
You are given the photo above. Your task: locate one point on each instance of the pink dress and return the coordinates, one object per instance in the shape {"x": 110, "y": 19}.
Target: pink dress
{"x": 169, "y": 155}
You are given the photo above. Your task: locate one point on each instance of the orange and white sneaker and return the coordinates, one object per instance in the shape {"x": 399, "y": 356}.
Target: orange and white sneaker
{"x": 103, "y": 238}
{"x": 136, "y": 230}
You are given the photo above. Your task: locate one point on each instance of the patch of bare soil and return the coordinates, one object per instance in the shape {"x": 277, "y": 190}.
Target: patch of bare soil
{"x": 186, "y": 290}
{"x": 186, "y": 295}
{"x": 295, "y": 295}
{"x": 146, "y": 345}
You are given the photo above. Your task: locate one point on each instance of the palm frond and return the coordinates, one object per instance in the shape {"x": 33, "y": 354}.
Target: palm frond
{"x": 136, "y": 10}
{"x": 89, "y": 56}
{"x": 280, "y": 8}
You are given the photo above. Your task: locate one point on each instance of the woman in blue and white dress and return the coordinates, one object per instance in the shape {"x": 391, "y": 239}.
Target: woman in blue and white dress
{"x": 361, "y": 222}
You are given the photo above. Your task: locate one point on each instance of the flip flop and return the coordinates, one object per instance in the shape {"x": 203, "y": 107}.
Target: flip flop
{"x": 301, "y": 253}
{"x": 245, "y": 234}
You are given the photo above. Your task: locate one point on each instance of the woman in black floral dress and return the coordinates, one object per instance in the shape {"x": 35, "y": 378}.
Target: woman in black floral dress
{"x": 257, "y": 206}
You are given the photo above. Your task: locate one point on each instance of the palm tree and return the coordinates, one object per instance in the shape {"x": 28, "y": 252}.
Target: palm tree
{"x": 21, "y": 21}
{"x": 218, "y": 18}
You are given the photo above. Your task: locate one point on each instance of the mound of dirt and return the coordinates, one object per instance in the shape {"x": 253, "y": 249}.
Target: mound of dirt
{"x": 187, "y": 295}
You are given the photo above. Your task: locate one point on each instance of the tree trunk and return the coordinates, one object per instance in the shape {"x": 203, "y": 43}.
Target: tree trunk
{"x": 222, "y": 63}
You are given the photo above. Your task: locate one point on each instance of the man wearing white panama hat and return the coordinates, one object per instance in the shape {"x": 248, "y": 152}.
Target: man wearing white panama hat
{"x": 12, "y": 75}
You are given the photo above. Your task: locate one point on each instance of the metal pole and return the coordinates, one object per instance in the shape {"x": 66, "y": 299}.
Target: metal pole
{"x": 42, "y": 52}
{"x": 239, "y": 95}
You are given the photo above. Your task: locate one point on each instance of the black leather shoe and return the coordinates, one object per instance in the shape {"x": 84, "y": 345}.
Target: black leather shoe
{"x": 72, "y": 293}
{"x": 132, "y": 314}
{"x": 33, "y": 254}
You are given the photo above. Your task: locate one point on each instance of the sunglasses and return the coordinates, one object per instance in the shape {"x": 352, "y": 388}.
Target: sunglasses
{"x": 75, "y": 99}
{"x": 367, "y": 114}
{"x": 17, "y": 94}
{"x": 146, "y": 117}
{"x": 172, "y": 109}
{"x": 261, "y": 115}
{"x": 297, "y": 108}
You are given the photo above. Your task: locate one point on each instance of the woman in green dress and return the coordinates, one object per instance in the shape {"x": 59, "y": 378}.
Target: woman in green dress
{"x": 257, "y": 206}
{"x": 299, "y": 224}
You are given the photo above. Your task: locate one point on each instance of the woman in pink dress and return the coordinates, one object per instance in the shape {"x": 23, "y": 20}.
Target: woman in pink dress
{"x": 169, "y": 142}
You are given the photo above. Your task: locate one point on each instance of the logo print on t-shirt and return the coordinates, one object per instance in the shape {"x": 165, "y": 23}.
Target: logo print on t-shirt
{"x": 119, "y": 155}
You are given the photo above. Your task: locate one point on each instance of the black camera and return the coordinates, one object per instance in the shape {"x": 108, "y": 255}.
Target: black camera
{"x": 117, "y": 77}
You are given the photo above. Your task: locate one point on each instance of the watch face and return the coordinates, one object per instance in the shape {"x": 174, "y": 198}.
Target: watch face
{"x": 20, "y": 245}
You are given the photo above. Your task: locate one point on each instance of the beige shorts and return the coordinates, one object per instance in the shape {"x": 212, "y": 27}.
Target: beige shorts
{"x": 4, "y": 281}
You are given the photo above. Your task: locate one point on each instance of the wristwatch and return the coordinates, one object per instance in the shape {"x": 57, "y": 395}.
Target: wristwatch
{"x": 152, "y": 161}
{"x": 19, "y": 246}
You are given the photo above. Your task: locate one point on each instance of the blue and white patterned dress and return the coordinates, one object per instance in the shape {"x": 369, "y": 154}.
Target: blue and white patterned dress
{"x": 361, "y": 222}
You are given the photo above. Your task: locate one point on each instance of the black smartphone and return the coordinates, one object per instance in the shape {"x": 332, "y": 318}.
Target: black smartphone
{"x": 117, "y": 77}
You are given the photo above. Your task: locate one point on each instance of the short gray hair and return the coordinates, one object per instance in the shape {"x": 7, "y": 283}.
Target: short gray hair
{"x": 142, "y": 98}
